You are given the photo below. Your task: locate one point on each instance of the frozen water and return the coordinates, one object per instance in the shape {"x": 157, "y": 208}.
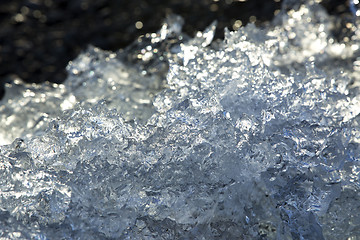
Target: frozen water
{"x": 255, "y": 137}
{"x": 127, "y": 80}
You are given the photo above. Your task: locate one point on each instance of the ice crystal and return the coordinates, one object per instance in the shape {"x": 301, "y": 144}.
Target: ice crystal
{"x": 255, "y": 137}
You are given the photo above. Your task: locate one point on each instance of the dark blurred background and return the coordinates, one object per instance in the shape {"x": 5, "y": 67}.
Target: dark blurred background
{"x": 39, "y": 37}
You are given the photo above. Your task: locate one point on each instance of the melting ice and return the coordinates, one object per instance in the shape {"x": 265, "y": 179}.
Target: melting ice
{"x": 255, "y": 137}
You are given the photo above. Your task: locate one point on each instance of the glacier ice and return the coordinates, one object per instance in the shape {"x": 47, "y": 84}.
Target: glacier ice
{"x": 254, "y": 137}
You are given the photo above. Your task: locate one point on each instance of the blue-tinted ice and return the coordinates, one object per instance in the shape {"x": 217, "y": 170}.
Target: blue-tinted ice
{"x": 255, "y": 137}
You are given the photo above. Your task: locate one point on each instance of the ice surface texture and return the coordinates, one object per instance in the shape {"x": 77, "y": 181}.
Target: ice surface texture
{"x": 255, "y": 137}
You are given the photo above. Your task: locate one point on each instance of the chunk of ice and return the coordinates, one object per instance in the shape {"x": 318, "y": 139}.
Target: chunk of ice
{"x": 256, "y": 137}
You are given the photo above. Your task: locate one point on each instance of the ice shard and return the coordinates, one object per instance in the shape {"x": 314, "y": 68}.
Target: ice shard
{"x": 254, "y": 137}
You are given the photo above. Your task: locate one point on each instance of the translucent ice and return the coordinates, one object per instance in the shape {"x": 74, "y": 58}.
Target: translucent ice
{"x": 255, "y": 137}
